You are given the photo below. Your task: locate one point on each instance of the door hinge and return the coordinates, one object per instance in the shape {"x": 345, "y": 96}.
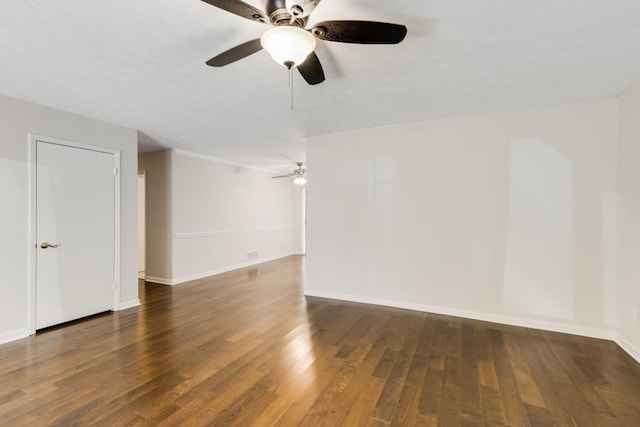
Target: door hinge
{"x": 114, "y": 285}
{"x": 115, "y": 171}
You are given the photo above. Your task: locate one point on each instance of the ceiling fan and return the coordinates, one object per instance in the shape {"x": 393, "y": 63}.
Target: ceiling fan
{"x": 291, "y": 44}
{"x": 299, "y": 175}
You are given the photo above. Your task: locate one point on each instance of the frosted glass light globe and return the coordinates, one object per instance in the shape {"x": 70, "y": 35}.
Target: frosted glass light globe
{"x": 299, "y": 180}
{"x": 288, "y": 46}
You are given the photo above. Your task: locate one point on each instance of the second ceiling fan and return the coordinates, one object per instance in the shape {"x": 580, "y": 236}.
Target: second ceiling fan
{"x": 291, "y": 44}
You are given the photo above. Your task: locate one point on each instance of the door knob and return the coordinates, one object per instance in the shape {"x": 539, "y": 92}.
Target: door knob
{"x": 45, "y": 245}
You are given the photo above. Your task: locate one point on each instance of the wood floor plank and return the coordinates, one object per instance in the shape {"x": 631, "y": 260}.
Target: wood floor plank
{"x": 492, "y": 406}
{"x": 360, "y": 412}
{"x": 513, "y": 406}
{"x": 449, "y": 410}
{"x": 532, "y": 345}
{"x": 537, "y": 416}
{"x": 596, "y": 404}
{"x": 431, "y": 391}
{"x": 390, "y": 394}
{"x": 469, "y": 376}
{"x": 247, "y": 348}
{"x": 333, "y": 391}
{"x": 410, "y": 396}
{"x": 351, "y": 400}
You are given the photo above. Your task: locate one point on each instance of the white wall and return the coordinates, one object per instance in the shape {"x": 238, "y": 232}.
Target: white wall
{"x": 501, "y": 217}
{"x": 19, "y": 119}
{"x": 223, "y": 216}
{"x": 629, "y": 221}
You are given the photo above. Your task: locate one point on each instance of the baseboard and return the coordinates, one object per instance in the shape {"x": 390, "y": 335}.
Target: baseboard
{"x": 14, "y": 335}
{"x": 164, "y": 281}
{"x": 475, "y": 315}
{"x": 129, "y": 304}
{"x": 628, "y": 347}
{"x": 159, "y": 280}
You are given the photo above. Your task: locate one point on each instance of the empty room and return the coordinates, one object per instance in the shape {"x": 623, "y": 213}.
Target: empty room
{"x": 319, "y": 213}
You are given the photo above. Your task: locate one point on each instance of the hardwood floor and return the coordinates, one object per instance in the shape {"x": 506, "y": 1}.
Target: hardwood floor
{"x": 247, "y": 348}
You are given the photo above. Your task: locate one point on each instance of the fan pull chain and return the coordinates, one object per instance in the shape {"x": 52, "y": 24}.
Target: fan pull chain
{"x": 289, "y": 65}
{"x": 291, "y": 85}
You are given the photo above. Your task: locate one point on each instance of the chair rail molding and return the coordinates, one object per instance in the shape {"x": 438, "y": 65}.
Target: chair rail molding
{"x": 193, "y": 235}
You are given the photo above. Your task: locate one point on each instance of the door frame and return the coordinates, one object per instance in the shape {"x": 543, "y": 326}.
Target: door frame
{"x": 32, "y": 158}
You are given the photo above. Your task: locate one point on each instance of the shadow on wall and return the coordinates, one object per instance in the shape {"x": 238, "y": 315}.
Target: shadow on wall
{"x": 538, "y": 271}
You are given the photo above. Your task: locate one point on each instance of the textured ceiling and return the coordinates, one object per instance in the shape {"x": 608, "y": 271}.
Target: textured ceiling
{"x": 140, "y": 64}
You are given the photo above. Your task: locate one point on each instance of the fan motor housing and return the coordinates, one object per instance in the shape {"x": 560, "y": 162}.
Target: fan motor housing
{"x": 279, "y": 15}
{"x": 301, "y": 8}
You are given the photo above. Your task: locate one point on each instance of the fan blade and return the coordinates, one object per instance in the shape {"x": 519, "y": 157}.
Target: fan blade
{"x": 283, "y": 176}
{"x": 236, "y": 53}
{"x": 239, "y": 8}
{"x": 311, "y": 69}
{"x": 363, "y": 32}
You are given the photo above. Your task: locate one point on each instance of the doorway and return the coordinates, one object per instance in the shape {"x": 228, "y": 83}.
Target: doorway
{"x": 304, "y": 221}
{"x": 75, "y": 231}
{"x": 142, "y": 233}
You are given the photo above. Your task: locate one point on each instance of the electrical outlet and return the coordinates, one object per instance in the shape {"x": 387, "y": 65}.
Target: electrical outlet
{"x": 252, "y": 255}
{"x": 373, "y": 276}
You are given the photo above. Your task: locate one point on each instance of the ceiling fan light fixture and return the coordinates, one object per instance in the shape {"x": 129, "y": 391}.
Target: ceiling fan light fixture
{"x": 299, "y": 180}
{"x": 288, "y": 46}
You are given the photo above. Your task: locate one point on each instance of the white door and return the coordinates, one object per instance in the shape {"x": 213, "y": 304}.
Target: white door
{"x": 75, "y": 223}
